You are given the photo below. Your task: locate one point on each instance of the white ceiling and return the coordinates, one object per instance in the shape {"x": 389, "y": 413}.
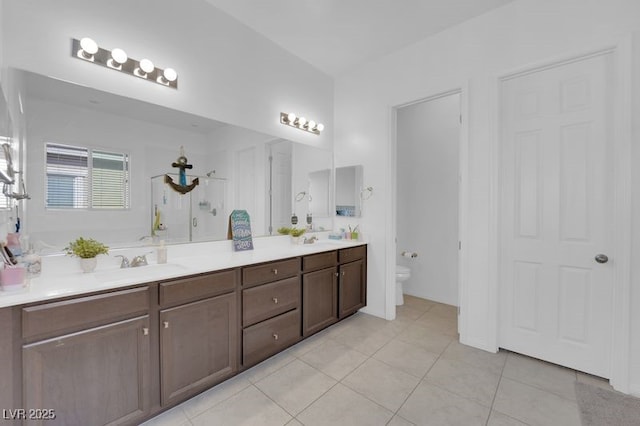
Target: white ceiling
{"x": 336, "y": 35}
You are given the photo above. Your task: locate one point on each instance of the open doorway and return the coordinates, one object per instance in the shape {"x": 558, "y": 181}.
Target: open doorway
{"x": 427, "y": 196}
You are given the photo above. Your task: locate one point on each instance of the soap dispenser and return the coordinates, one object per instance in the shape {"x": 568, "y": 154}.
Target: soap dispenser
{"x": 161, "y": 254}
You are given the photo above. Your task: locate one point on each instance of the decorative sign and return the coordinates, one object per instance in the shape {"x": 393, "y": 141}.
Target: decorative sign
{"x": 240, "y": 230}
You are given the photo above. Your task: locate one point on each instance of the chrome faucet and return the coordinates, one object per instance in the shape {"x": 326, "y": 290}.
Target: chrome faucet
{"x": 310, "y": 240}
{"x": 125, "y": 261}
{"x": 140, "y": 260}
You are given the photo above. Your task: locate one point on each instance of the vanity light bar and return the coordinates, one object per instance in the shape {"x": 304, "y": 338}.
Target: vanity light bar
{"x": 116, "y": 59}
{"x": 290, "y": 119}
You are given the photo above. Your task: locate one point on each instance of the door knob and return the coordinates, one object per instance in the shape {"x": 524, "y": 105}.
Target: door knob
{"x": 602, "y": 258}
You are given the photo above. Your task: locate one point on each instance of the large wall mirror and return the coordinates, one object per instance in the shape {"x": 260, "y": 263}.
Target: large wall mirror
{"x": 70, "y": 127}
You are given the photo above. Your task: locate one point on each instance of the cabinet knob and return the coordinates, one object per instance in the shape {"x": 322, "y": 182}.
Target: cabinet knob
{"x": 275, "y": 271}
{"x": 343, "y": 273}
{"x": 165, "y": 324}
{"x": 145, "y": 331}
{"x": 275, "y": 300}
{"x": 337, "y": 274}
{"x": 275, "y": 336}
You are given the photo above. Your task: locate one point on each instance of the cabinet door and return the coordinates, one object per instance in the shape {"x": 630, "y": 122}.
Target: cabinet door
{"x": 353, "y": 294}
{"x": 319, "y": 300}
{"x": 98, "y": 376}
{"x": 197, "y": 346}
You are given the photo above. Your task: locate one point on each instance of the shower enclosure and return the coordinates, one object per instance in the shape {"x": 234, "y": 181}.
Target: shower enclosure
{"x": 199, "y": 215}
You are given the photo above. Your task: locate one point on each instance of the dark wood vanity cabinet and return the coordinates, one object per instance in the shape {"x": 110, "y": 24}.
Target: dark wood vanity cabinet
{"x": 198, "y": 339}
{"x": 119, "y": 357}
{"x": 270, "y": 309}
{"x": 352, "y": 280}
{"x": 90, "y": 375}
{"x": 319, "y": 292}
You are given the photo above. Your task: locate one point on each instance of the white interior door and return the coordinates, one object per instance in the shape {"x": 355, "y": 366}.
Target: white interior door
{"x": 280, "y": 191}
{"x": 556, "y": 214}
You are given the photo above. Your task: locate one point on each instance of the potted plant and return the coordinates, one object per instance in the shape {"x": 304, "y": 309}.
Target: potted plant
{"x": 296, "y": 234}
{"x": 86, "y": 249}
{"x": 285, "y": 230}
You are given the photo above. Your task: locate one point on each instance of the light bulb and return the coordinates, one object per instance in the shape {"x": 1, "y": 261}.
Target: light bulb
{"x": 119, "y": 56}
{"x": 311, "y": 124}
{"x": 291, "y": 117}
{"x": 170, "y": 74}
{"x": 88, "y": 48}
{"x": 146, "y": 66}
{"x": 302, "y": 121}
{"x": 319, "y": 127}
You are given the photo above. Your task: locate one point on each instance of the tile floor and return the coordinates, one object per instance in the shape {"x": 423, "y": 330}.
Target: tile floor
{"x": 368, "y": 371}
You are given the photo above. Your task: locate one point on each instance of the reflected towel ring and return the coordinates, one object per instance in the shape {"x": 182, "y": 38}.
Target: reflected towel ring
{"x": 366, "y": 193}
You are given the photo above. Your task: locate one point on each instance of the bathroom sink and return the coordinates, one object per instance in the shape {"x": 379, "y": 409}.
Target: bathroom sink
{"x": 149, "y": 272}
{"x": 327, "y": 243}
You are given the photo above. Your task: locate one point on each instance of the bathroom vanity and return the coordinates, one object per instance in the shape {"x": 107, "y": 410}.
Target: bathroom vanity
{"x": 123, "y": 354}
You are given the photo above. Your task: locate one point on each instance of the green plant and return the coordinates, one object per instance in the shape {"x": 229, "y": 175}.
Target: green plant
{"x": 284, "y": 230}
{"x": 297, "y": 232}
{"x": 86, "y": 248}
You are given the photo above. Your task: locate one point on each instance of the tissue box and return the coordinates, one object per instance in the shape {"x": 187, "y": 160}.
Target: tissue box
{"x": 12, "y": 278}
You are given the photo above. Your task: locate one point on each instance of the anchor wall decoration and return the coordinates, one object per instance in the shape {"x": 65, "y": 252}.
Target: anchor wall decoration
{"x": 181, "y": 187}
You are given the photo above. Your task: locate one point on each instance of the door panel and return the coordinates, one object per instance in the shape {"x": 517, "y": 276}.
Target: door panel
{"x": 556, "y": 301}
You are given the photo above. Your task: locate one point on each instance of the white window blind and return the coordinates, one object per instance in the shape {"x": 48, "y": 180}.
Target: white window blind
{"x": 81, "y": 178}
{"x": 4, "y": 201}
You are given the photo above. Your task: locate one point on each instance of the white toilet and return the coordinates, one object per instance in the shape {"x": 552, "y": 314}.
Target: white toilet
{"x": 402, "y": 274}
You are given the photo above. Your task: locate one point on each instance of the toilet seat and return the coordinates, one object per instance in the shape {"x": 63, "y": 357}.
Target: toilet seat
{"x": 402, "y": 271}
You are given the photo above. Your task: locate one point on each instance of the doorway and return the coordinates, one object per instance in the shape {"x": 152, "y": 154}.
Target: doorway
{"x": 428, "y": 140}
{"x": 557, "y": 213}
{"x": 279, "y": 184}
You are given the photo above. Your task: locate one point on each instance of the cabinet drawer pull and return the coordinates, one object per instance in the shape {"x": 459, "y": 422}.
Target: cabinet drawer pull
{"x": 275, "y": 300}
{"x": 145, "y": 331}
{"x": 165, "y": 324}
{"x": 275, "y": 336}
{"x": 275, "y": 271}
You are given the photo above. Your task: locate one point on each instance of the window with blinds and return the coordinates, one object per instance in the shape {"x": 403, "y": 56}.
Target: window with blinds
{"x": 82, "y": 178}
{"x": 4, "y": 201}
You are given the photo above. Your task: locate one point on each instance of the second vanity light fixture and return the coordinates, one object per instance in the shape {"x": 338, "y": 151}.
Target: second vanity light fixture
{"x": 117, "y": 59}
{"x": 290, "y": 119}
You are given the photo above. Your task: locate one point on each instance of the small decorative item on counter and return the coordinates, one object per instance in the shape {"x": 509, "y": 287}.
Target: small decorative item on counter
{"x": 12, "y": 278}
{"x": 13, "y": 242}
{"x": 33, "y": 262}
{"x": 296, "y": 234}
{"x": 354, "y": 233}
{"x": 162, "y": 253}
{"x": 86, "y": 249}
{"x": 284, "y": 230}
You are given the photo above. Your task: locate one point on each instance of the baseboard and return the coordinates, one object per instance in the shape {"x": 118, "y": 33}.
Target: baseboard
{"x": 634, "y": 390}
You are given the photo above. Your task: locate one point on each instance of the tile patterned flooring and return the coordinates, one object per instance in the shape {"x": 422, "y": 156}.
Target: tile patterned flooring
{"x": 410, "y": 371}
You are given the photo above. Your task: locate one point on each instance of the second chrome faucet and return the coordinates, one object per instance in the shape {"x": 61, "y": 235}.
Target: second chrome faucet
{"x": 140, "y": 260}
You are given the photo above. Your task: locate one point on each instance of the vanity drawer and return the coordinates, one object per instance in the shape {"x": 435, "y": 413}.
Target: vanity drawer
{"x": 351, "y": 254}
{"x": 268, "y": 272}
{"x": 268, "y": 300}
{"x": 319, "y": 261}
{"x": 194, "y": 288}
{"x": 67, "y": 316}
{"x": 264, "y": 339}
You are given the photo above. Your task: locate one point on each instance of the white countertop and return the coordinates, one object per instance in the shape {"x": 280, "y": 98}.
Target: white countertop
{"x": 61, "y": 275}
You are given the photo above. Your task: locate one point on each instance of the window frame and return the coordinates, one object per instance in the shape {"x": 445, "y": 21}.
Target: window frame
{"x": 90, "y": 178}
